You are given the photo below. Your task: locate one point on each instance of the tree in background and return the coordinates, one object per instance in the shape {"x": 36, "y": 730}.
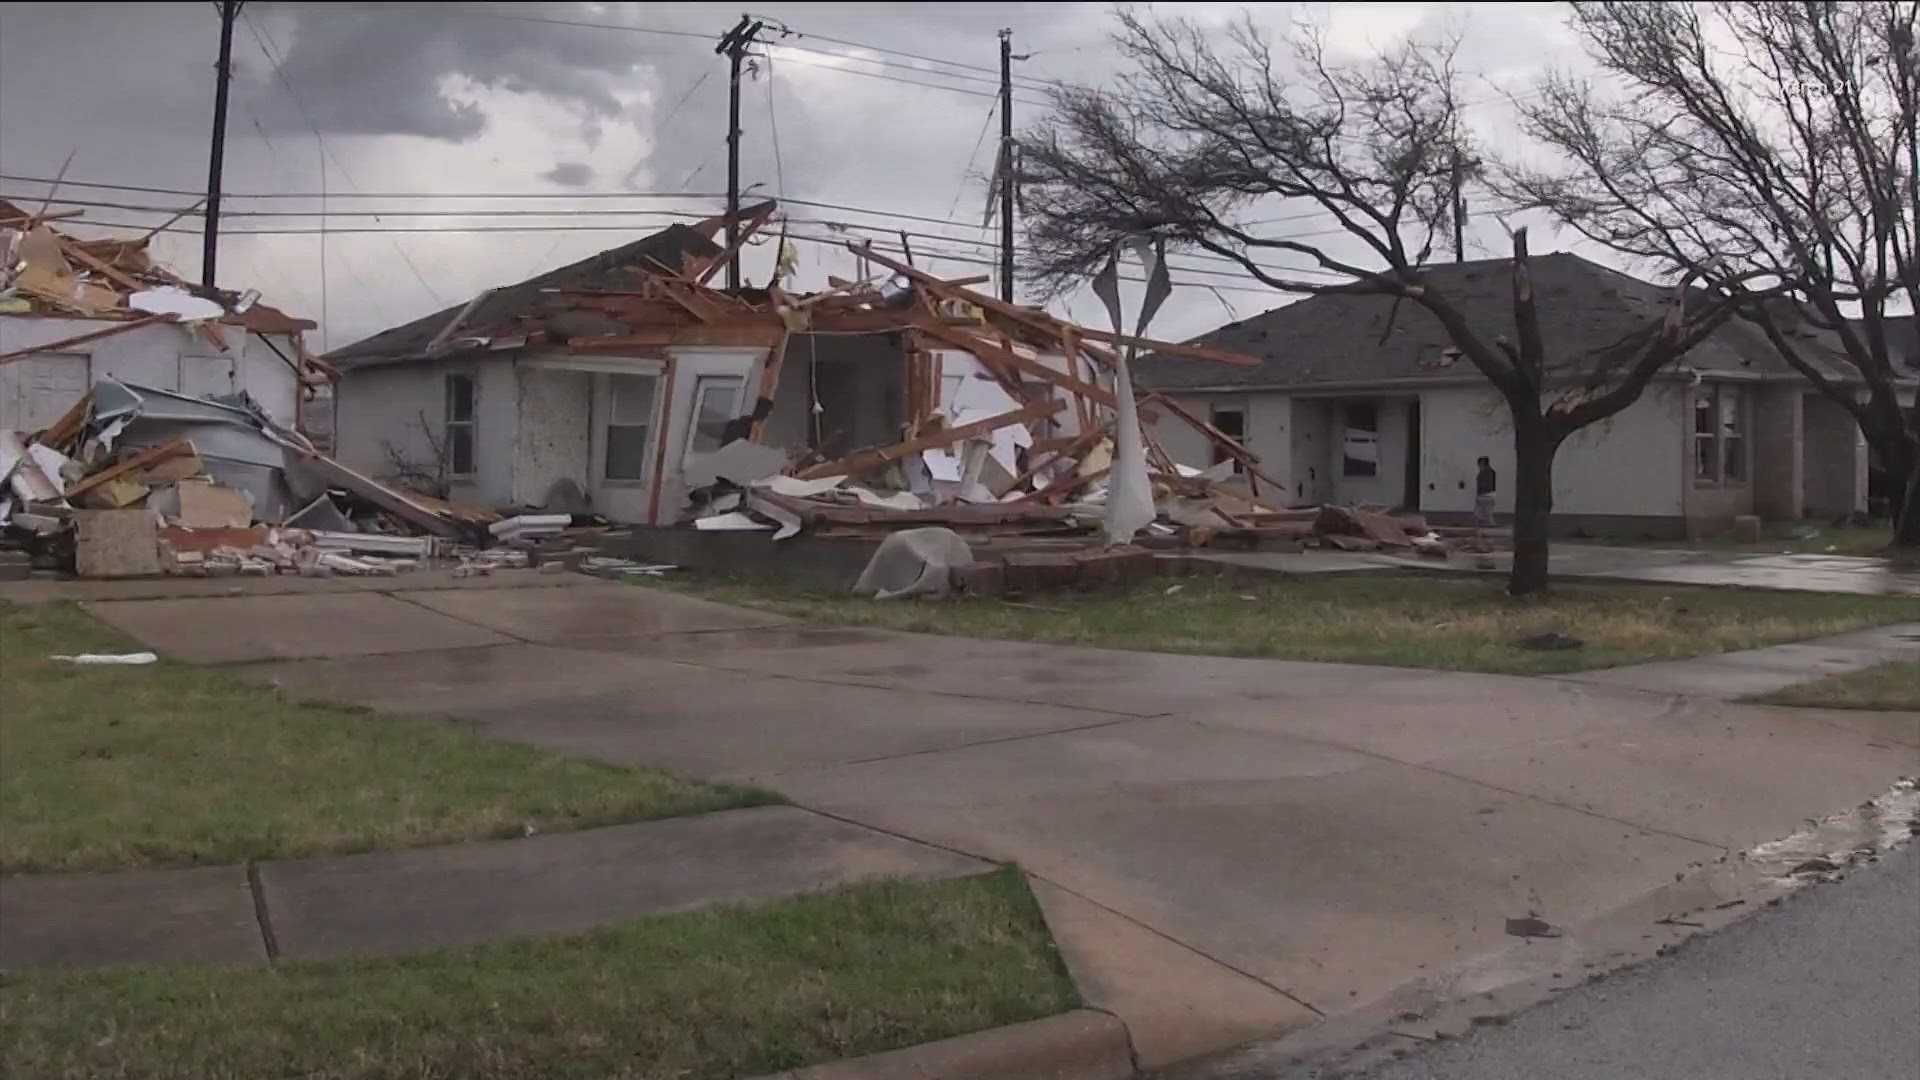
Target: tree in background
{"x": 1759, "y": 146}
{"x": 1197, "y": 133}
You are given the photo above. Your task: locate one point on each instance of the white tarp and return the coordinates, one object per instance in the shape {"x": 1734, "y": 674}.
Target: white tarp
{"x": 914, "y": 562}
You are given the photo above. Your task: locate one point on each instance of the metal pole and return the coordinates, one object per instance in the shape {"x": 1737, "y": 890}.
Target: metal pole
{"x": 1006, "y": 165}
{"x": 216, "y": 156}
{"x": 734, "y": 45}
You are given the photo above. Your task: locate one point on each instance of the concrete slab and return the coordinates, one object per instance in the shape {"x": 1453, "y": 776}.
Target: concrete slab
{"x": 571, "y": 882}
{"x": 1110, "y": 680}
{"x": 202, "y": 915}
{"x": 1881, "y": 582}
{"x": 576, "y": 615}
{"x": 158, "y": 588}
{"x": 1176, "y": 1003}
{"x": 692, "y": 719}
{"x": 1332, "y": 875}
{"x": 248, "y": 628}
{"x": 1727, "y": 774}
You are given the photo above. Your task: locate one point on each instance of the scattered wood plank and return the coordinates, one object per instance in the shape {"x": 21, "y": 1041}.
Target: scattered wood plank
{"x": 144, "y": 459}
{"x": 80, "y": 339}
{"x": 867, "y": 461}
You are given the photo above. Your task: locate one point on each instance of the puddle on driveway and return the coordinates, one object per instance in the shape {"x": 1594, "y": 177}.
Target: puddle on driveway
{"x": 1833, "y": 843}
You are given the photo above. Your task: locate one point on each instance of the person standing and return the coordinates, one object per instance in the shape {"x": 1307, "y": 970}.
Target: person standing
{"x": 1485, "y": 483}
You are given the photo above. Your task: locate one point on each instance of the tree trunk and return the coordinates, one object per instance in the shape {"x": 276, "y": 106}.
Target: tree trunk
{"x": 1534, "y": 446}
{"x": 1904, "y": 491}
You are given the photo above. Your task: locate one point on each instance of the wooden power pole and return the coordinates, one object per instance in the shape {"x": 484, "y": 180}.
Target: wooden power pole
{"x": 217, "y": 152}
{"x": 734, "y": 47}
{"x": 1006, "y": 165}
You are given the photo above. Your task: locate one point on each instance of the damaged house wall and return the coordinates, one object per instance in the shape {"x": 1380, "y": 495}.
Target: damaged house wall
{"x": 553, "y": 440}
{"x": 392, "y": 422}
{"x": 35, "y": 390}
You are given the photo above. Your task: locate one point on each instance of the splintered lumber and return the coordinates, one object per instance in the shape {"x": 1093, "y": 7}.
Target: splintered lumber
{"x": 868, "y": 460}
{"x": 80, "y": 339}
{"x": 1227, "y": 443}
{"x": 1046, "y": 323}
{"x": 769, "y": 385}
{"x": 71, "y": 423}
{"x": 1066, "y": 485}
{"x": 985, "y": 350}
{"x": 386, "y": 498}
{"x": 144, "y": 459}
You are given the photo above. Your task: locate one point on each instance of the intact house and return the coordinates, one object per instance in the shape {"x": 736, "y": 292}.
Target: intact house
{"x": 68, "y": 320}
{"x": 1362, "y": 399}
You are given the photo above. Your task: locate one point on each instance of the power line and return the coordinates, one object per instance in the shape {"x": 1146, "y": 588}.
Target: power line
{"x": 270, "y": 49}
{"x": 773, "y": 127}
{"x": 910, "y": 56}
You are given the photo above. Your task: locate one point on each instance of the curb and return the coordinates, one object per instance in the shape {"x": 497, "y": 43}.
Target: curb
{"x": 1078, "y": 1045}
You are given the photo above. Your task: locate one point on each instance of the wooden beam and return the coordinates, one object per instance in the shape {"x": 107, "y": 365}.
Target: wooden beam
{"x": 984, "y": 348}
{"x": 1041, "y": 319}
{"x": 1225, "y": 442}
{"x": 62, "y": 431}
{"x": 1066, "y": 485}
{"x": 118, "y": 276}
{"x": 80, "y": 339}
{"x": 660, "y": 453}
{"x": 142, "y": 460}
{"x": 748, "y": 227}
{"x": 769, "y": 386}
{"x": 868, "y": 460}
{"x": 1073, "y": 448}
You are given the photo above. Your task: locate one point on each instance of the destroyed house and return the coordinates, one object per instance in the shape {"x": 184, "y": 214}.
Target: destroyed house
{"x": 1361, "y": 399}
{"x": 624, "y": 384}
{"x": 75, "y": 311}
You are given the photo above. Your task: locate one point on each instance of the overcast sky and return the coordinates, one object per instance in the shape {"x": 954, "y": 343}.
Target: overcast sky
{"x": 449, "y": 98}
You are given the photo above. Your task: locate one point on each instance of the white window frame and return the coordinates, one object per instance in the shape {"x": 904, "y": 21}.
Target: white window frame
{"x": 470, "y": 425}
{"x": 651, "y": 426}
{"x": 1715, "y": 398}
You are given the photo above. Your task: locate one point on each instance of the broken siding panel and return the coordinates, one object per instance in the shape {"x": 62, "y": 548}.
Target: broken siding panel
{"x": 554, "y": 433}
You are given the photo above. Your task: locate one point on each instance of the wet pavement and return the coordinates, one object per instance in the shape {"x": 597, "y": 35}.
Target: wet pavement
{"x": 1855, "y": 575}
{"x": 1289, "y": 840}
{"x": 1827, "y": 986}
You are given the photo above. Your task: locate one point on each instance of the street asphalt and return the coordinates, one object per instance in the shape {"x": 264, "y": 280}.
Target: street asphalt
{"x": 1825, "y": 985}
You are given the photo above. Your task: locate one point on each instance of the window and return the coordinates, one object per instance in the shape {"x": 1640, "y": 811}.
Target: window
{"x": 1719, "y": 435}
{"x": 1361, "y": 448}
{"x": 629, "y": 426}
{"x": 714, "y": 400}
{"x": 459, "y": 444}
{"x": 1233, "y": 424}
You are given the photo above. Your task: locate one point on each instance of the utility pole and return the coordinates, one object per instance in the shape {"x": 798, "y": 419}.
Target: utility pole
{"x": 1006, "y": 165}
{"x": 734, "y": 47}
{"x": 216, "y": 155}
{"x": 1459, "y": 208}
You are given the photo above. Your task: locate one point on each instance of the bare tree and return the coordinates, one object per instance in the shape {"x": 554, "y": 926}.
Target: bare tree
{"x": 1760, "y": 146}
{"x": 1196, "y": 133}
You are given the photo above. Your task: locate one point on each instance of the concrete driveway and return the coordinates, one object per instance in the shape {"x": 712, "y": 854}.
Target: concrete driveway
{"x": 1227, "y": 849}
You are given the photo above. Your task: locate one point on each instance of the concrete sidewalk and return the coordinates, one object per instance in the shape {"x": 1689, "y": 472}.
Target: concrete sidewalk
{"x": 1225, "y": 848}
{"x": 1753, "y": 672}
{"x": 401, "y": 901}
{"x": 1851, "y": 574}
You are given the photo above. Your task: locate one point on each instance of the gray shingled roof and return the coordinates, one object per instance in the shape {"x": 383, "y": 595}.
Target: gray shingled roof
{"x": 1342, "y": 338}
{"x": 608, "y": 269}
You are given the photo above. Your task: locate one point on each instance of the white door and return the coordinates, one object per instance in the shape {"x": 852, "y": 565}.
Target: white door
{"x": 713, "y": 405}
{"x": 43, "y": 388}
{"x": 626, "y": 426}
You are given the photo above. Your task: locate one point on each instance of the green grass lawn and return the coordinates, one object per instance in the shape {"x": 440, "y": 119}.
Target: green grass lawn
{"x": 1828, "y": 541}
{"x": 104, "y": 767}
{"x": 699, "y": 996}
{"x": 1411, "y": 620}
{"x": 1893, "y": 685}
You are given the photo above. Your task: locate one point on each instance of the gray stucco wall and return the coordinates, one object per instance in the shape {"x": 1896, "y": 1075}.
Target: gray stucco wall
{"x": 402, "y": 408}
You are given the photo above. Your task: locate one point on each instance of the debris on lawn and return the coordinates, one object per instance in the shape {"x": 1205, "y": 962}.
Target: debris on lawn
{"x": 128, "y": 659}
{"x": 135, "y": 481}
{"x": 1551, "y": 641}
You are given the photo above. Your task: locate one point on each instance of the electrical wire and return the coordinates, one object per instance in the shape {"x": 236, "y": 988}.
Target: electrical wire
{"x": 271, "y": 50}
{"x": 773, "y": 126}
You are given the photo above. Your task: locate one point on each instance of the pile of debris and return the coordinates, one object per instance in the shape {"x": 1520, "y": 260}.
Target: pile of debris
{"x": 135, "y": 481}
{"x": 44, "y": 271}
